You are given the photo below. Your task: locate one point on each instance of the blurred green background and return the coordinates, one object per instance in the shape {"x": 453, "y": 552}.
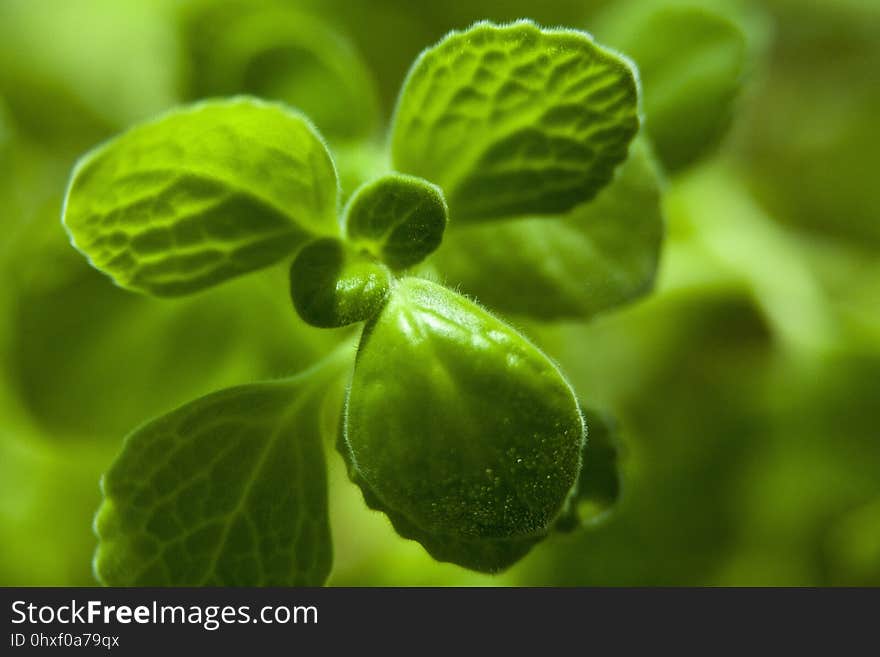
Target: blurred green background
{"x": 746, "y": 388}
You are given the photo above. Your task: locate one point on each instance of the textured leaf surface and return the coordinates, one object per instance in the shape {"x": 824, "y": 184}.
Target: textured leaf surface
{"x": 229, "y": 490}
{"x": 399, "y": 218}
{"x": 332, "y": 285}
{"x": 457, "y": 427}
{"x": 200, "y": 195}
{"x": 598, "y": 486}
{"x": 513, "y": 120}
{"x": 692, "y": 63}
{"x": 602, "y": 254}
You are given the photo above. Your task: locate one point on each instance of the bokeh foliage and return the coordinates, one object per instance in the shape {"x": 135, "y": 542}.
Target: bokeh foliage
{"x": 745, "y": 388}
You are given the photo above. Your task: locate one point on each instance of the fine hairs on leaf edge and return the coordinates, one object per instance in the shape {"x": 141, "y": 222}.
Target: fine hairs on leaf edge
{"x": 396, "y": 176}
{"x": 374, "y": 180}
{"x": 627, "y": 61}
{"x": 184, "y": 109}
{"x": 432, "y": 278}
{"x": 302, "y": 310}
{"x": 570, "y": 520}
{"x": 403, "y": 525}
{"x": 194, "y": 107}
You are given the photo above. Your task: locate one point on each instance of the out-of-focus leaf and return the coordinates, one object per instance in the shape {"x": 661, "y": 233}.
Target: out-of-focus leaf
{"x": 515, "y": 120}
{"x": 692, "y": 61}
{"x": 332, "y": 284}
{"x": 602, "y": 254}
{"x": 74, "y": 71}
{"x": 713, "y": 215}
{"x": 853, "y": 547}
{"x": 138, "y": 356}
{"x": 850, "y": 280}
{"x": 202, "y": 194}
{"x": 5, "y": 127}
{"x": 275, "y": 51}
{"x": 813, "y": 162}
{"x": 47, "y": 502}
{"x": 358, "y": 162}
{"x": 31, "y": 191}
{"x": 227, "y": 490}
{"x": 465, "y": 434}
{"x": 812, "y": 467}
{"x": 398, "y": 218}
{"x": 683, "y": 372}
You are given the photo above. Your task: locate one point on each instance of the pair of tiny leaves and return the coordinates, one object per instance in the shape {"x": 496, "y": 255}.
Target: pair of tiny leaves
{"x": 390, "y": 224}
{"x": 506, "y": 120}
{"x": 478, "y": 461}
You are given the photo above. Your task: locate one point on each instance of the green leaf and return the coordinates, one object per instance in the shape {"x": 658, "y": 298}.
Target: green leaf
{"x": 202, "y": 194}
{"x": 601, "y": 255}
{"x": 400, "y": 219}
{"x": 692, "y": 61}
{"x": 76, "y": 71}
{"x": 459, "y": 429}
{"x": 333, "y": 285}
{"x": 512, "y": 120}
{"x": 829, "y": 49}
{"x": 598, "y": 486}
{"x": 228, "y": 490}
{"x": 280, "y": 53}
{"x": 83, "y": 330}
{"x": 851, "y": 550}
{"x": 5, "y": 126}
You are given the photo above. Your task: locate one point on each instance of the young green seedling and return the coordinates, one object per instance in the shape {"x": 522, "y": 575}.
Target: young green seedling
{"x": 454, "y": 424}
